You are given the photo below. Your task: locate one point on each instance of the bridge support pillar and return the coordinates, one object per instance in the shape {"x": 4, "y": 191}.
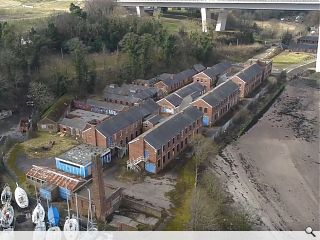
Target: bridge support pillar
{"x": 140, "y": 11}
{"x": 222, "y": 20}
{"x": 318, "y": 52}
{"x": 204, "y": 20}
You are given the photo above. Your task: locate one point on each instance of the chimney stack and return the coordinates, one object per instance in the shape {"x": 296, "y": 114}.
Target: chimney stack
{"x": 98, "y": 188}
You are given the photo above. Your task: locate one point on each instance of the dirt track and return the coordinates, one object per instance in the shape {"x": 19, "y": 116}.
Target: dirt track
{"x": 273, "y": 170}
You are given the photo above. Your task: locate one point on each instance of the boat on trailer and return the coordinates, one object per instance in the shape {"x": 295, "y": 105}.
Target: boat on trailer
{"x": 71, "y": 224}
{"x": 21, "y": 197}
{"x": 6, "y": 216}
{"x": 40, "y": 226}
{"x": 53, "y": 216}
{"x": 6, "y": 195}
{"x": 38, "y": 214}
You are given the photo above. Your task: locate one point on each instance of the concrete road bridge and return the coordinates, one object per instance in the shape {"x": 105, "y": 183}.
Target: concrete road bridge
{"x": 224, "y": 5}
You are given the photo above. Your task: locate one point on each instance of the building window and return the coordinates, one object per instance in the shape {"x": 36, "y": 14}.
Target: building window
{"x": 200, "y": 108}
{"x": 164, "y": 159}
{"x": 168, "y": 155}
{"x": 136, "y": 133}
{"x": 178, "y": 147}
{"x": 159, "y": 163}
{"x": 198, "y": 121}
{"x": 158, "y": 151}
{"x": 190, "y": 128}
{"x": 205, "y": 110}
{"x": 186, "y": 141}
{"x": 131, "y": 136}
{"x": 163, "y": 148}
{"x": 168, "y": 144}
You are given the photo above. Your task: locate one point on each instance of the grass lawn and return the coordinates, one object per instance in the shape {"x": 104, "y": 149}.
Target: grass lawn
{"x": 181, "y": 196}
{"x": 287, "y": 59}
{"x": 13, "y": 154}
{"x": 33, "y": 147}
{"x": 174, "y": 25}
{"x": 27, "y": 13}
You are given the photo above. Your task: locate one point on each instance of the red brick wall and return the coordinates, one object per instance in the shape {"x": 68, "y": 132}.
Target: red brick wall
{"x": 201, "y": 105}
{"x": 241, "y": 84}
{"x": 136, "y": 148}
{"x": 204, "y": 80}
{"x": 158, "y": 159}
{"x": 161, "y": 86}
{"x": 127, "y": 134}
{"x": 89, "y": 137}
{"x": 164, "y": 103}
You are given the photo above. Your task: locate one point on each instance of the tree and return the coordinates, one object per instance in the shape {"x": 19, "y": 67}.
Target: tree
{"x": 77, "y": 11}
{"x": 286, "y": 38}
{"x": 79, "y": 55}
{"x": 203, "y": 148}
{"x": 169, "y": 48}
{"x": 41, "y": 95}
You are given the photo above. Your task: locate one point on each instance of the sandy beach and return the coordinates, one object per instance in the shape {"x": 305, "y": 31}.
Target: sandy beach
{"x": 273, "y": 170}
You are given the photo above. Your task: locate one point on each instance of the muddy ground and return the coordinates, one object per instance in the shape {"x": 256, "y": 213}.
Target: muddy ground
{"x": 273, "y": 170}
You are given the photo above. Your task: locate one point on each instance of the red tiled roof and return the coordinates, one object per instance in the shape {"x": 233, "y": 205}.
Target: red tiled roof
{"x": 55, "y": 177}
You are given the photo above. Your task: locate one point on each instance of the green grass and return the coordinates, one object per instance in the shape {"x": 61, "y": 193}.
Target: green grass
{"x": 181, "y": 197}
{"x": 15, "y": 151}
{"x": 287, "y": 59}
{"x": 55, "y": 109}
{"x": 174, "y": 25}
{"x": 27, "y": 13}
{"x": 33, "y": 147}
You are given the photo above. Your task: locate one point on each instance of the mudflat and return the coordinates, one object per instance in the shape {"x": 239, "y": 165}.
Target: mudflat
{"x": 273, "y": 170}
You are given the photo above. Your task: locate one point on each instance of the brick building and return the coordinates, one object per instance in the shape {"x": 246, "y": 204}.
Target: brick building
{"x": 99, "y": 106}
{"x": 122, "y": 128}
{"x": 171, "y": 83}
{"x": 249, "y": 79}
{"x": 178, "y": 99}
{"x": 217, "y": 102}
{"x": 209, "y": 76}
{"x": 161, "y": 144}
{"x": 129, "y": 94}
{"x": 150, "y": 122}
{"x": 76, "y": 122}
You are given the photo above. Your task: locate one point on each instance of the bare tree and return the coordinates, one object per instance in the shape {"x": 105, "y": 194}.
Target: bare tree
{"x": 203, "y": 148}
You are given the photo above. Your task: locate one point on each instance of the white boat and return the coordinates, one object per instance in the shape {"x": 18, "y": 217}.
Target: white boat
{"x": 7, "y": 216}
{"x": 55, "y": 233}
{"x": 71, "y": 224}
{"x": 6, "y": 195}
{"x": 21, "y": 197}
{"x": 38, "y": 214}
{"x": 40, "y": 226}
{"x": 56, "y": 228}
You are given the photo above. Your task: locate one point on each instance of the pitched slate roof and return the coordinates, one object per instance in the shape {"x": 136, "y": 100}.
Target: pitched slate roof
{"x": 154, "y": 119}
{"x": 179, "y": 77}
{"x": 130, "y": 91}
{"x": 193, "y": 89}
{"x": 165, "y": 131}
{"x": 76, "y": 123}
{"x": 104, "y": 104}
{"x": 217, "y": 69}
{"x": 221, "y": 92}
{"x": 128, "y": 117}
{"x": 174, "y": 99}
{"x": 248, "y": 73}
{"x": 199, "y": 67}
{"x": 309, "y": 38}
